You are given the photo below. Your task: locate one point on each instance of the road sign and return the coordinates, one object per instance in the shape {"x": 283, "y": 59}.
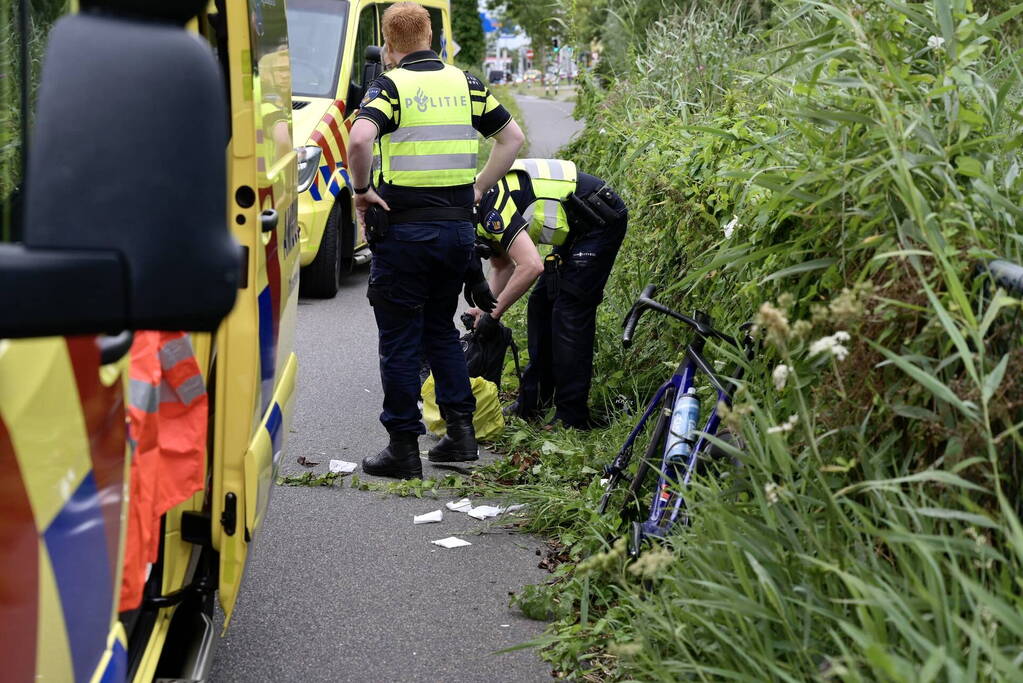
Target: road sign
{"x": 529, "y": 53}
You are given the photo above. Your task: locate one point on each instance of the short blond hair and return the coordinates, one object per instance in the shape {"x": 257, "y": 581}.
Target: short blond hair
{"x": 406, "y": 27}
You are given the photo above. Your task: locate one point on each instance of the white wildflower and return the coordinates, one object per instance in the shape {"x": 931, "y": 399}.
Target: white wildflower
{"x": 786, "y": 426}
{"x": 780, "y": 376}
{"x": 730, "y": 227}
{"x": 772, "y": 491}
{"x": 603, "y": 131}
{"x": 936, "y": 42}
{"x": 832, "y": 345}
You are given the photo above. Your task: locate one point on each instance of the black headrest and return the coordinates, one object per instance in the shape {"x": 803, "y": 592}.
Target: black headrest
{"x": 178, "y": 11}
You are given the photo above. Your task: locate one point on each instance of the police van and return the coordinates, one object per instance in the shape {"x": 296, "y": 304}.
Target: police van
{"x": 158, "y": 197}
{"x": 329, "y": 41}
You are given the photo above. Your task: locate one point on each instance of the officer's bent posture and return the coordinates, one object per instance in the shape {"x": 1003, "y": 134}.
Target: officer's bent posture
{"x": 427, "y": 116}
{"x": 545, "y": 201}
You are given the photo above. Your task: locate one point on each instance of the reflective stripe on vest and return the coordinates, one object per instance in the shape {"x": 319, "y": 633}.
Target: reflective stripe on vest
{"x": 435, "y": 144}
{"x": 553, "y": 180}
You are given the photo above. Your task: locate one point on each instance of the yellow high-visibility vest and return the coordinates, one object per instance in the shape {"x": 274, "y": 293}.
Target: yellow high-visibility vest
{"x": 553, "y": 180}
{"x": 435, "y": 144}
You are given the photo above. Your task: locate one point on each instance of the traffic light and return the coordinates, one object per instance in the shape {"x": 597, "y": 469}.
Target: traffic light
{"x": 556, "y": 48}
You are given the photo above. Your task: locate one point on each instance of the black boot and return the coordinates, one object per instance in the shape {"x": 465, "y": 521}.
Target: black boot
{"x": 399, "y": 460}
{"x": 459, "y": 444}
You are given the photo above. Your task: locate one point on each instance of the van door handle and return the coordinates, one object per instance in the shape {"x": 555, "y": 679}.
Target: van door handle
{"x": 112, "y": 349}
{"x": 268, "y": 220}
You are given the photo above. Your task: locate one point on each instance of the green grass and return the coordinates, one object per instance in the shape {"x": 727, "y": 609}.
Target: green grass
{"x": 866, "y": 156}
{"x": 41, "y": 18}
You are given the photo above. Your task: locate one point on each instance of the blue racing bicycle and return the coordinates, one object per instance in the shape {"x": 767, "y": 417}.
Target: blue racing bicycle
{"x": 675, "y": 435}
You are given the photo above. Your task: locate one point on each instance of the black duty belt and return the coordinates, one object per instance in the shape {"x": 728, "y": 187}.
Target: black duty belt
{"x": 595, "y": 209}
{"x": 437, "y": 213}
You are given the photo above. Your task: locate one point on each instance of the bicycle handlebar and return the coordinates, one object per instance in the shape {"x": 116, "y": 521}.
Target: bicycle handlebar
{"x": 632, "y": 319}
{"x": 645, "y": 302}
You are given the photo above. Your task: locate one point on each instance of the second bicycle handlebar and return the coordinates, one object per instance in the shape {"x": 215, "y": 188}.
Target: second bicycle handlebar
{"x": 646, "y": 302}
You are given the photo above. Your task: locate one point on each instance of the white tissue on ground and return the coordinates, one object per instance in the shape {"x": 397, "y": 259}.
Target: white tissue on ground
{"x": 435, "y": 516}
{"x": 484, "y": 511}
{"x": 463, "y": 505}
{"x": 341, "y": 467}
{"x": 451, "y": 542}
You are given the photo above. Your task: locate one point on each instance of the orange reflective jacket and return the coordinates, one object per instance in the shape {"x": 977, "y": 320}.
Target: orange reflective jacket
{"x": 167, "y": 427}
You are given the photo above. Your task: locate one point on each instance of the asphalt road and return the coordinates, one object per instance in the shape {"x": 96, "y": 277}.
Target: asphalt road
{"x": 341, "y": 586}
{"x": 550, "y": 124}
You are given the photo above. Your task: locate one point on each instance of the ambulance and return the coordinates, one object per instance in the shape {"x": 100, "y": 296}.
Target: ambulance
{"x": 333, "y": 43}
{"x": 137, "y": 459}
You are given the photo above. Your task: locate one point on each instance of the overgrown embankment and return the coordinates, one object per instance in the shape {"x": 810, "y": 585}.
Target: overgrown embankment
{"x": 834, "y": 171}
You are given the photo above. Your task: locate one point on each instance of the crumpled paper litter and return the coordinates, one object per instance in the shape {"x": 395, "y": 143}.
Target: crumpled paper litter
{"x": 484, "y": 511}
{"x": 342, "y": 466}
{"x": 463, "y": 505}
{"x": 435, "y": 516}
{"x": 451, "y": 542}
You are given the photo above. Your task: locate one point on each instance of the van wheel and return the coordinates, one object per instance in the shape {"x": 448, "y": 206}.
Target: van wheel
{"x": 322, "y": 278}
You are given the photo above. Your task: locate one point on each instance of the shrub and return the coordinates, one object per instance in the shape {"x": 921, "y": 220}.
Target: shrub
{"x": 842, "y": 169}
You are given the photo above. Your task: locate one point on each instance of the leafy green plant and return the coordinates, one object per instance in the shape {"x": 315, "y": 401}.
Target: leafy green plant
{"x": 312, "y": 479}
{"x": 835, "y": 175}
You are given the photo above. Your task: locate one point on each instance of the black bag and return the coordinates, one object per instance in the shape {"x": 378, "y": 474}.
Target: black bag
{"x": 485, "y": 356}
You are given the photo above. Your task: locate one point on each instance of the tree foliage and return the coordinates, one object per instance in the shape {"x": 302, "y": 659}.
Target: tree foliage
{"x": 541, "y": 20}
{"x": 468, "y": 30}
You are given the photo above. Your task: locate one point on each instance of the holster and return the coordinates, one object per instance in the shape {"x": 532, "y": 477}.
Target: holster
{"x": 377, "y": 223}
{"x": 551, "y": 266}
{"x": 595, "y": 209}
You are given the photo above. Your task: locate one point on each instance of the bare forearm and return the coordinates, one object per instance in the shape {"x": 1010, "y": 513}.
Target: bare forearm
{"x": 499, "y": 276}
{"x": 519, "y": 282}
{"x": 360, "y": 151}
{"x": 360, "y": 161}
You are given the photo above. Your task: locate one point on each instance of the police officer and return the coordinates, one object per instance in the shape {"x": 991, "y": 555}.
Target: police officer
{"x": 418, "y": 216}
{"x": 546, "y": 201}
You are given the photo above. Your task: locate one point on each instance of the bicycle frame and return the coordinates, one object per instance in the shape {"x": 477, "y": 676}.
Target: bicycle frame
{"x": 668, "y": 491}
{"x": 673, "y": 476}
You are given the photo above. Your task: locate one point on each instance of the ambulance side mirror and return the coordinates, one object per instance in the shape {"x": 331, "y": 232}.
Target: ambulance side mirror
{"x": 372, "y": 67}
{"x": 125, "y": 204}
{"x": 374, "y": 64}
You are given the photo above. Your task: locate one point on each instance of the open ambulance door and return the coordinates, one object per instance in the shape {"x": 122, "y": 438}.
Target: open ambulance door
{"x": 257, "y": 367}
{"x": 107, "y": 245}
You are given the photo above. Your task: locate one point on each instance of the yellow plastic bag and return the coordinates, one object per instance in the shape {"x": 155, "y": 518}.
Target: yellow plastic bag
{"x": 488, "y": 418}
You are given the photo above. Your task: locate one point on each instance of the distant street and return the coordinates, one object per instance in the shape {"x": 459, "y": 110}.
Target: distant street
{"x": 550, "y": 124}
{"x": 341, "y": 585}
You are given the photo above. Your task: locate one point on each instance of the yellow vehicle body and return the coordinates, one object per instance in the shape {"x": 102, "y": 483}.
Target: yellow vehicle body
{"x": 64, "y": 450}
{"x": 328, "y": 39}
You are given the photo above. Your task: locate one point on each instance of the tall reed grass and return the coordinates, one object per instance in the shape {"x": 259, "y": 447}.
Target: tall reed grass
{"x": 835, "y": 174}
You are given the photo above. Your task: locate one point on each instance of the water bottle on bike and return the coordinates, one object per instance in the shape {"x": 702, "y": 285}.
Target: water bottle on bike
{"x": 681, "y": 433}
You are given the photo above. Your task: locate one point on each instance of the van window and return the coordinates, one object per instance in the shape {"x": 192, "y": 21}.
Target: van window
{"x": 14, "y": 107}
{"x": 437, "y": 25}
{"x": 366, "y": 36}
{"x": 317, "y": 39}
{"x": 271, "y": 70}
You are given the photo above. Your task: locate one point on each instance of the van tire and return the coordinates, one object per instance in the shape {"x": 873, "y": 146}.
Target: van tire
{"x": 321, "y": 279}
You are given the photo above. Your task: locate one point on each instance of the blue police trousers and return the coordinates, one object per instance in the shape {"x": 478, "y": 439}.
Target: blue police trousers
{"x": 414, "y": 284}
{"x": 562, "y": 323}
